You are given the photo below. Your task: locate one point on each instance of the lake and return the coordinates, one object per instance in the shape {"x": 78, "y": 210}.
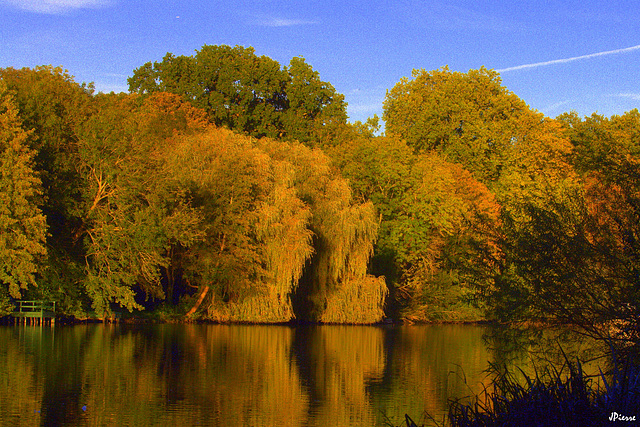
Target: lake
{"x": 238, "y": 375}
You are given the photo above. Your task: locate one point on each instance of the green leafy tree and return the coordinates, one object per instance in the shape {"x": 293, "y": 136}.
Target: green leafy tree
{"x": 314, "y": 108}
{"x": 238, "y": 89}
{"x": 22, "y": 225}
{"x": 379, "y": 171}
{"x": 247, "y": 93}
{"x": 469, "y": 118}
{"x": 52, "y": 105}
{"x": 133, "y": 215}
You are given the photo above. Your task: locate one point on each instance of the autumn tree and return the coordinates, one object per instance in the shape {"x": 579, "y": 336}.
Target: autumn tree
{"x": 149, "y": 201}
{"x": 522, "y": 157}
{"x": 448, "y": 240}
{"x": 133, "y": 214}
{"x": 571, "y": 236}
{"x": 283, "y": 238}
{"x": 335, "y": 287}
{"x": 583, "y": 269}
{"x": 255, "y": 239}
{"x": 538, "y": 184}
{"x": 437, "y": 231}
{"x": 51, "y": 105}
{"x": 22, "y": 225}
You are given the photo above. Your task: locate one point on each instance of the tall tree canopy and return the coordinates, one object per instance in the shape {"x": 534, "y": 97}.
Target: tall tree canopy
{"x": 247, "y": 93}
{"x": 132, "y": 213}
{"x": 522, "y": 157}
{"x": 51, "y": 105}
{"x": 283, "y": 238}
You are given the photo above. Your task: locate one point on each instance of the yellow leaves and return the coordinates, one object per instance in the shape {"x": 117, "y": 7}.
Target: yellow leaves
{"x": 250, "y": 207}
{"x": 450, "y": 196}
{"x": 283, "y": 221}
{"x": 344, "y": 230}
{"x": 357, "y": 300}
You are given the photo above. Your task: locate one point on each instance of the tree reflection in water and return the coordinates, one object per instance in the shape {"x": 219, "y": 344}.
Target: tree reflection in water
{"x": 257, "y": 375}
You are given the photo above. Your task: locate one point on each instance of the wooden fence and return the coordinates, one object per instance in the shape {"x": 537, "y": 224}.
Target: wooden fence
{"x": 35, "y": 312}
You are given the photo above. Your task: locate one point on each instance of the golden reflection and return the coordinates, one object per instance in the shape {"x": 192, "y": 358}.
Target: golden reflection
{"x": 20, "y": 393}
{"x": 432, "y": 364}
{"x": 222, "y": 375}
{"x": 345, "y": 359}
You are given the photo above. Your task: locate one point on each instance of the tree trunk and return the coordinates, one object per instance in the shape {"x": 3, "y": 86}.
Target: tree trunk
{"x": 200, "y": 299}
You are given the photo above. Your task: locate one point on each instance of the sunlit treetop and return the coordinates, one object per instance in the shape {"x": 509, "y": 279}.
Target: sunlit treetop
{"x": 245, "y": 92}
{"x": 469, "y": 117}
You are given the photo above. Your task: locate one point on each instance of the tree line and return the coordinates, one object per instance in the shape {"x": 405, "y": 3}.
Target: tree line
{"x": 227, "y": 185}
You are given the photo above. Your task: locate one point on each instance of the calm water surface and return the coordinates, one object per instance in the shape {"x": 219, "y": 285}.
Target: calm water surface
{"x": 235, "y": 375}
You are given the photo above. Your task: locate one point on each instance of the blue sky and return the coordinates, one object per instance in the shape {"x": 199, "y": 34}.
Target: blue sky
{"x": 580, "y": 48}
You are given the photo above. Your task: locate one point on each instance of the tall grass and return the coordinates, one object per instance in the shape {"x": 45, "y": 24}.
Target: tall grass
{"x": 555, "y": 397}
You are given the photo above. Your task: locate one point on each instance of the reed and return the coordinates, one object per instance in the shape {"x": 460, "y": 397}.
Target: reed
{"x": 552, "y": 397}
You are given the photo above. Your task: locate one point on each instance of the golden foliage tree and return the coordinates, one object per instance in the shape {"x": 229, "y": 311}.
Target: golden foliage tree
{"x": 469, "y": 118}
{"x": 438, "y": 226}
{"x": 256, "y": 237}
{"x": 132, "y": 215}
{"x": 22, "y": 226}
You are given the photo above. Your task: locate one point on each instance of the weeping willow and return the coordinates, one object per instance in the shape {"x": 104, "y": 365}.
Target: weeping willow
{"x": 356, "y": 301}
{"x": 285, "y": 240}
{"x": 335, "y": 281}
{"x": 283, "y": 231}
{"x": 276, "y": 216}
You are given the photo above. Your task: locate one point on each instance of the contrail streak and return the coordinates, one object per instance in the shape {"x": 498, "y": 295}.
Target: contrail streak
{"x": 575, "y": 58}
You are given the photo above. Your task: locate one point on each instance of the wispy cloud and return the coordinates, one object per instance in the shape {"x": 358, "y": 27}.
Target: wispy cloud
{"x": 634, "y": 96}
{"x": 442, "y": 14}
{"x": 57, "y": 6}
{"x": 565, "y": 60}
{"x": 283, "y": 22}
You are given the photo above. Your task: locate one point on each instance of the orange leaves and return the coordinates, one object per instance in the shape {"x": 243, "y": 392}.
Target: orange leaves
{"x": 610, "y": 208}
